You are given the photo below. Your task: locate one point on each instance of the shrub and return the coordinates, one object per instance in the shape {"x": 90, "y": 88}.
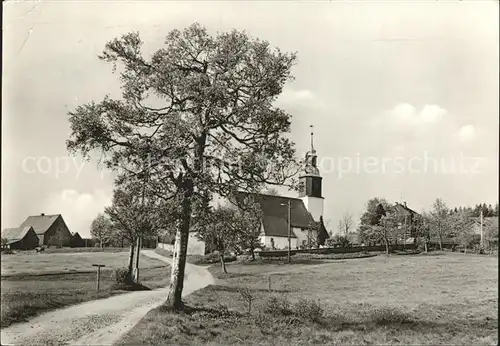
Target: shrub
{"x": 248, "y": 297}
{"x": 278, "y": 306}
{"x": 389, "y": 315}
{"x": 308, "y": 310}
{"x": 120, "y": 276}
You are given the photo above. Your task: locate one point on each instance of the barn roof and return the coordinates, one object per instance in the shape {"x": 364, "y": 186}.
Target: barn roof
{"x": 15, "y": 234}
{"x": 40, "y": 223}
{"x": 275, "y": 211}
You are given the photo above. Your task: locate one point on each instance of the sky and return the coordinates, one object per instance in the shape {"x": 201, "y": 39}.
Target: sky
{"x": 403, "y": 96}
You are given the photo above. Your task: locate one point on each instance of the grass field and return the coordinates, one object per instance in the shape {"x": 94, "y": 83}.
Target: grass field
{"x": 35, "y": 287}
{"x": 420, "y": 299}
{"x": 45, "y": 263}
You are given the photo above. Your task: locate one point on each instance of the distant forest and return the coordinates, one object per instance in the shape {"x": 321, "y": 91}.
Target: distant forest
{"x": 488, "y": 210}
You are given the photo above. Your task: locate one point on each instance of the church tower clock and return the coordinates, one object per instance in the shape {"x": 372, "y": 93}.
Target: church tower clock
{"x": 310, "y": 183}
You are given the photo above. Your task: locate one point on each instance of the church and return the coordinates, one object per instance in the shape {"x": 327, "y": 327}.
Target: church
{"x": 305, "y": 213}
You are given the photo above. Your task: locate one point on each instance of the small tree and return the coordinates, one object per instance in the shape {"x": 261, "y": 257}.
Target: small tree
{"x": 463, "y": 230}
{"x": 101, "y": 229}
{"x": 375, "y": 210}
{"x": 384, "y": 231}
{"x": 346, "y": 223}
{"x": 491, "y": 236}
{"x": 439, "y": 218}
{"x": 422, "y": 230}
{"x": 218, "y": 226}
{"x": 248, "y": 223}
{"x": 133, "y": 214}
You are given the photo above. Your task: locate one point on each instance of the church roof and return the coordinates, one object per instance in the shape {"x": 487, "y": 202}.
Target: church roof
{"x": 275, "y": 213}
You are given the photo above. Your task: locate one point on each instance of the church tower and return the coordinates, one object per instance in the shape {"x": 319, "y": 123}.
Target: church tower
{"x": 310, "y": 183}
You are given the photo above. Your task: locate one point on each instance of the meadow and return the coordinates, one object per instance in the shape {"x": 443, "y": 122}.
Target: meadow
{"x": 420, "y": 299}
{"x": 32, "y": 284}
{"x": 31, "y": 263}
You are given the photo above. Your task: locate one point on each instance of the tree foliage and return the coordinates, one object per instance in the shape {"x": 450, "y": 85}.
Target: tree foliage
{"x": 101, "y": 229}
{"x": 375, "y": 210}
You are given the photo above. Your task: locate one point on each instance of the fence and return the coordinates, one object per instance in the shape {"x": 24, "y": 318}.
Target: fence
{"x": 337, "y": 250}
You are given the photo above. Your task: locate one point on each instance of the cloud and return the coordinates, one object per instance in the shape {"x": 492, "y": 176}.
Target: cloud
{"x": 406, "y": 114}
{"x": 303, "y": 98}
{"x": 467, "y": 133}
{"x": 78, "y": 209}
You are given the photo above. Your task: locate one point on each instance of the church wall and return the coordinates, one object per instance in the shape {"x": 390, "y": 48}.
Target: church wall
{"x": 280, "y": 243}
{"x": 305, "y": 237}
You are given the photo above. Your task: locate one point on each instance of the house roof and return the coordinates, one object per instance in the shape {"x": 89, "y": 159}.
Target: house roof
{"x": 40, "y": 223}
{"x": 275, "y": 211}
{"x": 487, "y": 221}
{"x": 403, "y": 210}
{"x": 15, "y": 234}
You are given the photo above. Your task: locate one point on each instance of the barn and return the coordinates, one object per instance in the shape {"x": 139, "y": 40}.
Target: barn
{"x": 20, "y": 238}
{"x": 50, "y": 229}
{"x": 76, "y": 240}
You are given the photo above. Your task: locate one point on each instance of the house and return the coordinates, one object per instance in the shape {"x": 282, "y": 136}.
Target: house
{"x": 76, "y": 240}
{"x": 487, "y": 223}
{"x": 50, "y": 229}
{"x": 23, "y": 238}
{"x": 406, "y": 218}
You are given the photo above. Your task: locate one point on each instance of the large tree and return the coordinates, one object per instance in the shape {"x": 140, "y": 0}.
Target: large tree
{"x": 198, "y": 117}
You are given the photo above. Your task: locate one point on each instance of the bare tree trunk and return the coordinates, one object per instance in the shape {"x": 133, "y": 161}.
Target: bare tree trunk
{"x": 174, "y": 299}
{"x": 440, "y": 237}
{"x": 131, "y": 260}
{"x": 465, "y": 249}
{"x": 222, "y": 262}
{"x": 425, "y": 247}
{"x": 253, "y": 253}
{"x": 386, "y": 245}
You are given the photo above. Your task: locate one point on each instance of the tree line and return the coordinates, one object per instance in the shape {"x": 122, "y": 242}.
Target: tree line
{"x": 440, "y": 225}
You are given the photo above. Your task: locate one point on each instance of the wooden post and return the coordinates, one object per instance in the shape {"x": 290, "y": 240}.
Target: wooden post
{"x": 289, "y": 228}
{"x": 98, "y": 273}
{"x": 481, "y": 219}
{"x": 136, "y": 273}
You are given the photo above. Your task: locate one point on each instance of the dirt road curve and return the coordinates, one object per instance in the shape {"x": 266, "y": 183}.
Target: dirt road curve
{"x": 99, "y": 322}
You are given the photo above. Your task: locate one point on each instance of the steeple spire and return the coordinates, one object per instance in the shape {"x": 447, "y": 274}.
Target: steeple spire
{"x": 312, "y": 139}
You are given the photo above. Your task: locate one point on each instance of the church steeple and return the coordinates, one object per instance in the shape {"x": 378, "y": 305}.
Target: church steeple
{"x": 310, "y": 179}
{"x": 312, "y": 139}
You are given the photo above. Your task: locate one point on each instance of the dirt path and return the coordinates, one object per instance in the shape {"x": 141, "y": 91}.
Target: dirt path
{"x": 99, "y": 322}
